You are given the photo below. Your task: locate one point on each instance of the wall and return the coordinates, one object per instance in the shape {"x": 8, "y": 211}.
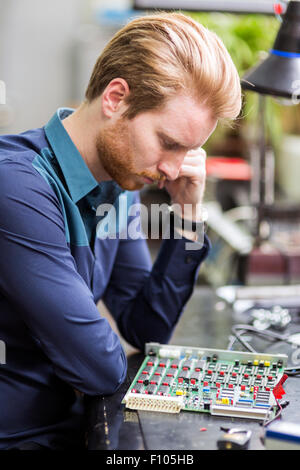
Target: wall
{"x": 36, "y": 61}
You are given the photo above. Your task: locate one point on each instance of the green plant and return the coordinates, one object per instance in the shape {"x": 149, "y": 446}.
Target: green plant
{"x": 247, "y": 38}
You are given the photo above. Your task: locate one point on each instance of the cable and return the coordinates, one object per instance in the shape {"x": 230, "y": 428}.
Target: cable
{"x": 292, "y": 371}
{"x": 239, "y": 330}
{"x": 244, "y": 343}
{"x": 267, "y": 422}
{"x": 263, "y": 333}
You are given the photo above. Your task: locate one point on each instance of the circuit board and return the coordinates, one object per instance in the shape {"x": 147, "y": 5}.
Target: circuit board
{"x": 219, "y": 382}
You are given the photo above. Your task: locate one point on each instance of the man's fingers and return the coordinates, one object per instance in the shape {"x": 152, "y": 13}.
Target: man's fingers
{"x": 195, "y": 157}
{"x": 200, "y": 152}
{"x": 194, "y": 161}
{"x": 191, "y": 171}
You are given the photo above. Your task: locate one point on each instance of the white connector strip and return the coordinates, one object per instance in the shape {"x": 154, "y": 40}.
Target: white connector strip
{"x": 239, "y": 412}
{"x": 145, "y": 402}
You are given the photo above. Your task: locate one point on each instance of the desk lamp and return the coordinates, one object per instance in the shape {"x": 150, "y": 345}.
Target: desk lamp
{"x": 277, "y": 76}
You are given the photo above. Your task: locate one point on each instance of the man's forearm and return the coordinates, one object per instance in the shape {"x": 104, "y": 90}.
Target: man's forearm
{"x": 153, "y": 308}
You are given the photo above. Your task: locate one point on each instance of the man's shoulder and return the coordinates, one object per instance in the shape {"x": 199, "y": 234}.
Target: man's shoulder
{"x": 18, "y": 156}
{"x": 22, "y": 147}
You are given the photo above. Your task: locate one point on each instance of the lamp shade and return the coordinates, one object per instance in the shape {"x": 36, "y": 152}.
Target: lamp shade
{"x": 279, "y": 73}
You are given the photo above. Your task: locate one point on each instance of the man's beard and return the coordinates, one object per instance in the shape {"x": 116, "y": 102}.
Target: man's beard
{"x": 114, "y": 153}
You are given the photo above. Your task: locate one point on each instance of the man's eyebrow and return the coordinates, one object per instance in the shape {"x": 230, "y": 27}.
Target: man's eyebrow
{"x": 172, "y": 141}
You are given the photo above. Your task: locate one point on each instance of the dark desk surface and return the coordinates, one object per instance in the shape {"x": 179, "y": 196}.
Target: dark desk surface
{"x": 206, "y": 323}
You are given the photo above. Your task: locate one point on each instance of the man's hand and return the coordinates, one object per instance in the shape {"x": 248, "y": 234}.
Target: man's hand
{"x": 187, "y": 190}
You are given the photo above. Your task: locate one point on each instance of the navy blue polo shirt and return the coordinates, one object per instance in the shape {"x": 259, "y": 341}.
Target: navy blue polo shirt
{"x": 55, "y": 265}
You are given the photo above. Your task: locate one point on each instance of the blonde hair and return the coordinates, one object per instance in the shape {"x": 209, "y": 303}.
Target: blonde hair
{"x": 162, "y": 54}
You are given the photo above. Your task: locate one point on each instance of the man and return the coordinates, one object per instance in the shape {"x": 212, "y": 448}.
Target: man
{"x": 156, "y": 94}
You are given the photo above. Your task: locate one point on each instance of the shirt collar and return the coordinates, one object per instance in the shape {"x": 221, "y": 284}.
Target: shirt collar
{"x": 79, "y": 179}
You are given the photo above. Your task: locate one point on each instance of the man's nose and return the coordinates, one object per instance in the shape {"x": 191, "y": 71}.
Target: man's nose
{"x": 170, "y": 169}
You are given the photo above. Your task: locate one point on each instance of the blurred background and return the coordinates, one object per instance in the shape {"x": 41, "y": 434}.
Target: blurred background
{"x": 47, "y": 52}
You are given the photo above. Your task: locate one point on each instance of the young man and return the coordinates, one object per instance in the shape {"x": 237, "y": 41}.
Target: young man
{"x": 156, "y": 94}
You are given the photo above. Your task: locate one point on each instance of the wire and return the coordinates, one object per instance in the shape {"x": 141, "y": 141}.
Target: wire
{"x": 292, "y": 371}
{"x": 239, "y": 330}
{"x": 278, "y": 414}
{"x": 244, "y": 343}
{"x": 266, "y": 334}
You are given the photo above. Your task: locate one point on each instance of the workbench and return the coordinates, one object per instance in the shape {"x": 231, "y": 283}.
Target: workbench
{"x": 206, "y": 322}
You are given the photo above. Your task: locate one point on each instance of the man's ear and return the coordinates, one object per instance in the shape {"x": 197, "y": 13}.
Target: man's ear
{"x": 113, "y": 97}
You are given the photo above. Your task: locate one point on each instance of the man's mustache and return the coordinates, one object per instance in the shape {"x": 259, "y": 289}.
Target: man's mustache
{"x": 156, "y": 177}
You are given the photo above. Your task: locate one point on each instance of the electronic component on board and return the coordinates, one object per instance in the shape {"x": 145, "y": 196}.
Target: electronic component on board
{"x": 219, "y": 382}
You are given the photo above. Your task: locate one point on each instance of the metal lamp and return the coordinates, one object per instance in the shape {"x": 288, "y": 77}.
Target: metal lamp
{"x": 278, "y": 76}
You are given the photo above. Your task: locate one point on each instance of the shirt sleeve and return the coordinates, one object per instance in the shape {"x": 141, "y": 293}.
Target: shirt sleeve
{"x": 147, "y": 301}
{"x": 38, "y": 277}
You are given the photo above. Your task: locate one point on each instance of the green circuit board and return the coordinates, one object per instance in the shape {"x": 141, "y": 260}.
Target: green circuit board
{"x": 219, "y": 382}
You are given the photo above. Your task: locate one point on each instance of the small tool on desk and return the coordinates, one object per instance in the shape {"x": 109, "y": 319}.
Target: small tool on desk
{"x": 234, "y": 439}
